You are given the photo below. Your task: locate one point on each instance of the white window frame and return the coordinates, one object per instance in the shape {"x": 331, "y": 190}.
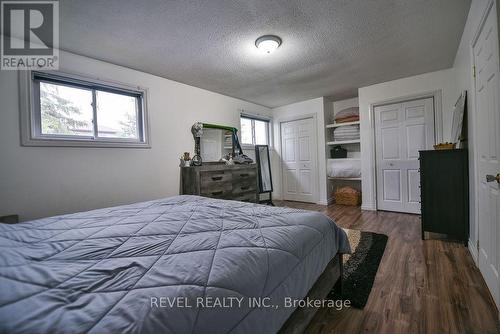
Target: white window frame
{"x": 253, "y": 119}
{"x": 30, "y": 112}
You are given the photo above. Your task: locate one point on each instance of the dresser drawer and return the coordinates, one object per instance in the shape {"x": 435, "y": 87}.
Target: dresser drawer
{"x": 244, "y": 174}
{"x": 209, "y": 177}
{"x": 221, "y": 190}
{"x": 246, "y": 197}
{"x": 246, "y": 186}
{"x": 236, "y": 182}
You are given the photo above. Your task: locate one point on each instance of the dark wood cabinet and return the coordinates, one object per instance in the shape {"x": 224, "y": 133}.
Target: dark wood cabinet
{"x": 444, "y": 184}
{"x": 234, "y": 182}
{"x": 11, "y": 219}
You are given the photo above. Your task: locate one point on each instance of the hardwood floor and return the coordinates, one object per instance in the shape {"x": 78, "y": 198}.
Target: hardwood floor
{"x": 426, "y": 286}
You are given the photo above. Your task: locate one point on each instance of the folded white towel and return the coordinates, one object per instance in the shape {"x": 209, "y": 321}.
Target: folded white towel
{"x": 347, "y": 129}
{"x": 343, "y": 168}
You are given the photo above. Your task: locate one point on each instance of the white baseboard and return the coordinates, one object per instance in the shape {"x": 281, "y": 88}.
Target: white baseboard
{"x": 368, "y": 206}
{"x": 277, "y": 197}
{"x": 473, "y": 251}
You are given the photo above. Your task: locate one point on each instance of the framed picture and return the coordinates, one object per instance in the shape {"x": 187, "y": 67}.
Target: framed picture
{"x": 458, "y": 119}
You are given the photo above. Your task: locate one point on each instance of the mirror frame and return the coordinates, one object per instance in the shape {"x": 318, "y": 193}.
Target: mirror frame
{"x": 257, "y": 158}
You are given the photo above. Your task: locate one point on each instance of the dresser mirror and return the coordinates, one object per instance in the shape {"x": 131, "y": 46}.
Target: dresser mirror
{"x": 215, "y": 144}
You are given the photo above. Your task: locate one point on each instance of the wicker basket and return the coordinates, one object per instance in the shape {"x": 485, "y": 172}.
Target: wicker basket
{"x": 348, "y": 196}
{"x": 445, "y": 146}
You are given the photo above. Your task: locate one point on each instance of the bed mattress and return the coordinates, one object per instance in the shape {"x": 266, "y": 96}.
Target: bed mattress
{"x": 174, "y": 265}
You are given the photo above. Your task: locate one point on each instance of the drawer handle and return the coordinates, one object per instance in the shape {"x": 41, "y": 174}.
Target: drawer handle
{"x": 244, "y": 175}
{"x": 245, "y": 187}
{"x": 216, "y": 178}
{"x": 215, "y": 193}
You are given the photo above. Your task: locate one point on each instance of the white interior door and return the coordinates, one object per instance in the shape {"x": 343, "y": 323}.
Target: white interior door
{"x": 298, "y": 147}
{"x": 485, "y": 50}
{"x": 401, "y": 130}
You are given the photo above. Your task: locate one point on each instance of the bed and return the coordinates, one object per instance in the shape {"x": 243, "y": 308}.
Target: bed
{"x": 109, "y": 270}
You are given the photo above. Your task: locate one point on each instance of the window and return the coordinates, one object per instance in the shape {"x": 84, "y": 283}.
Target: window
{"x": 254, "y": 131}
{"x": 65, "y": 111}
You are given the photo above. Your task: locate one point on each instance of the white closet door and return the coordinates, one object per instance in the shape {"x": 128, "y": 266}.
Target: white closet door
{"x": 401, "y": 130}
{"x": 298, "y": 147}
{"x": 488, "y": 151}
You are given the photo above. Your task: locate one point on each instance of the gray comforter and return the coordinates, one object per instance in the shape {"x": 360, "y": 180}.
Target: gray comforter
{"x": 183, "y": 264}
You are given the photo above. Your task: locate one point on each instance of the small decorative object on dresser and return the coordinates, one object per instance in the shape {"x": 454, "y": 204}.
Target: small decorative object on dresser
{"x": 197, "y": 131}
{"x": 218, "y": 180}
{"x": 444, "y": 198}
{"x": 185, "y": 160}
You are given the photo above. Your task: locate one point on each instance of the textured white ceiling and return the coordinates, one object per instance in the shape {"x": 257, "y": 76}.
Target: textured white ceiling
{"x": 330, "y": 47}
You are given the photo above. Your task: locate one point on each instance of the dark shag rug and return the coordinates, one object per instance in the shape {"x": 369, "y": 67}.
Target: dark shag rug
{"x": 360, "y": 267}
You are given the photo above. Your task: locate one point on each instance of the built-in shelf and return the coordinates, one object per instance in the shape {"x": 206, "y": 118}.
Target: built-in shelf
{"x": 343, "y": 142}
{"x": 334, "y": 125}
{"x": 353, "y": 148}
{"x": 345, "y": 178}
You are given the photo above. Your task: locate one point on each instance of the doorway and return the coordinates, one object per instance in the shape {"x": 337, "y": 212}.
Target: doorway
{"x": 486, "y": 62}
{"x": 299, "y": 162}
{"x": 401, "y": 131}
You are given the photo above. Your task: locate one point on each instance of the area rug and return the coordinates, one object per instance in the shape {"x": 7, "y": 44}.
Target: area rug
{"x": 360, "y": 267}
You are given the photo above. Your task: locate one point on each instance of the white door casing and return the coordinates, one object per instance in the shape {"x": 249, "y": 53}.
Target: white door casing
{"x": 486, "y": 62}
{"x": 401, "y": 130}
{"x": 299, "y": 163}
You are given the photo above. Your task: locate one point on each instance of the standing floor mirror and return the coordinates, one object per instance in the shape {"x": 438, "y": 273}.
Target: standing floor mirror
{"x": 264, "y": 168}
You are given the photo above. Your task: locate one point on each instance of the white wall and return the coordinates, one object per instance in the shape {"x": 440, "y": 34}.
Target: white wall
{"x": 45, "y": 181}
{"x": 421, "y": 84}
{"x": 465, "y": 81}
{"x": 296, "y": 110}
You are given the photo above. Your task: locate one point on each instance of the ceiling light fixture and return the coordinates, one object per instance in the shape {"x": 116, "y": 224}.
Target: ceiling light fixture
{"x": 268, "y": 43}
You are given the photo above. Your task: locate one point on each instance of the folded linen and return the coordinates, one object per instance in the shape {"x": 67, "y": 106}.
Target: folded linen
{"x": 348, "y": 135}
{"x": 347, "y": 119}
{"x": 343, "y": 168}
{"x": 352, "y": 136}
{"x": 345, "y": 138}
{"x": 347, "y": 129}
{"x": 348, "y": 132}
{"x": 348, "y": 112}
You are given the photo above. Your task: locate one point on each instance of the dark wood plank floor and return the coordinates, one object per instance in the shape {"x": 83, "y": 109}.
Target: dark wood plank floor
{"x": 421, "y": 286}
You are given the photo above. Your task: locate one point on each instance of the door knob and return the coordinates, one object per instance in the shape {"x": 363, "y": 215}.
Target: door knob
{"x": 491, "y": 178}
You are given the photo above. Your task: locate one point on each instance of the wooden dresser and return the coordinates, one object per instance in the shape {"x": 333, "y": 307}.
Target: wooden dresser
{"x": 444, "y": 184}
{"x": 235, "y": 182}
